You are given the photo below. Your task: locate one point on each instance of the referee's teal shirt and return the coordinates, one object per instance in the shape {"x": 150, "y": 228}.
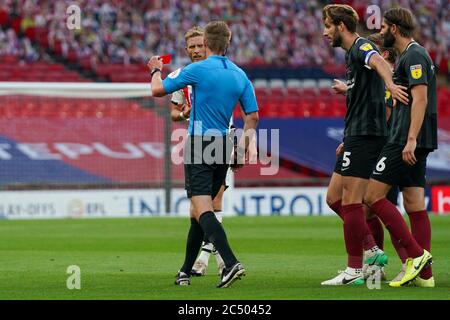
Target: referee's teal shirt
{"x": 217, "y": 85}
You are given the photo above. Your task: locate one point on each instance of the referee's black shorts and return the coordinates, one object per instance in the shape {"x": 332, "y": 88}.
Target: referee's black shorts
{"x": 359, "y": 156}
{"x": 392, "y": 170}
{"x": 206, "y": 163}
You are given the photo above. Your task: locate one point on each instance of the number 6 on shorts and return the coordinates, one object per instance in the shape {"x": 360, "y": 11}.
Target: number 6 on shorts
{"x": 381, "y": 165}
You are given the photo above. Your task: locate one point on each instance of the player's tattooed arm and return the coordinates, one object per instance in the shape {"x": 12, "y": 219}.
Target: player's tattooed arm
{"x": 398, "y": 92}
{"x": 339, "y": 87}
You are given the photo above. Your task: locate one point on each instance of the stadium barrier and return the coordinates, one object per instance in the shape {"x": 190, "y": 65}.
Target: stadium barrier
{"x": 304, "y": 201}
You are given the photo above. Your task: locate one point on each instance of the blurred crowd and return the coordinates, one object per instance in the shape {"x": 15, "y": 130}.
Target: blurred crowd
{"x": 12, "y": 45}
{"x": 275, "y": 32}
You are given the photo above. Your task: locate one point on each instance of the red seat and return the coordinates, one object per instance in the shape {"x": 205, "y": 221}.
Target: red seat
{"x": 72, "y": 56}
{"x": 261, "y": 94}
{"x": 293, "y": 92}
{"x": 304, "y": 109}
{"x": 55, "y": 67}
{"x": 85, "y": 63}
{"x": 309, "y": 93}
{"x": 9, "y": 59}
{"x": 103, "y": 70}
{"x": 277, "y": 92}
{"x": 269, "y": 109}
{"x": 325, "y": 92}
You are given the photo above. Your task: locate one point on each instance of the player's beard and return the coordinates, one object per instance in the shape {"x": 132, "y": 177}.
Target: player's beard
{"x": 337, "y": 39}
{"x": 388, "y": 39}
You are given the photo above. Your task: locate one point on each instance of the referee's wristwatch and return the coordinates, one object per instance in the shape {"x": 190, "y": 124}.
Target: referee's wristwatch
{"x": 154, "y": 71}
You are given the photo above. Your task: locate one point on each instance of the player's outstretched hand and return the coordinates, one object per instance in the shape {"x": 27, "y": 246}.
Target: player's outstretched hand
{"x": 155, "y": 62}
{"x": 408, "y": 152}
{"x": 339, "y": 149}
{"x": 399, "y": 93}
{"x": 339, "y": 87}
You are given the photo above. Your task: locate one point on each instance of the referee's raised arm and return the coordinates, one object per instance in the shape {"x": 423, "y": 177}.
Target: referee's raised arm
{"x": 155, "y": 65}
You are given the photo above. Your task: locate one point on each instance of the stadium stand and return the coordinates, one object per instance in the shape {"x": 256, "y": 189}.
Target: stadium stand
{"x": 114, "y": 44}
{"x": 289, "y": 62}
{"x": 124, "y": 33}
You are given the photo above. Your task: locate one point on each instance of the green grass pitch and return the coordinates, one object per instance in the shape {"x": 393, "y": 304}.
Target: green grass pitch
{"x": 285, "y": 258}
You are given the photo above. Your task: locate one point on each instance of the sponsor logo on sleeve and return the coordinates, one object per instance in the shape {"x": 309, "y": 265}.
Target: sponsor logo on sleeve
{"x": 416, "y": 71}
{"x": 366, "y": 47}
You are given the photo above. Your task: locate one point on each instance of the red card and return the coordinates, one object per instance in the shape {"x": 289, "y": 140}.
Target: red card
{"x": 166, "y": 59}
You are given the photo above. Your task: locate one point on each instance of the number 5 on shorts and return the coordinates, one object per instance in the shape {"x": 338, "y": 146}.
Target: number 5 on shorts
{"x": 346, "y": 159}
{"x": 381, "y": 165}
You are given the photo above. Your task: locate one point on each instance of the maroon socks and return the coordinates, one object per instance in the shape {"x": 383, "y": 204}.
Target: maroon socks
{"x": 401, "y": 252}
{"x": 377, "y": 231}
{"x": 354, "y": 221}
{"x": 337, "y": 207}
{"x": 394, "y": 222}
{"x": 421, "y": 231}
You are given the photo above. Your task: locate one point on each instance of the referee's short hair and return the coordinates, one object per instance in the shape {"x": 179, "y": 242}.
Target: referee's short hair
{"x": 194, "y": 32}
{"x": 341, "y": 13}
{"x": 403, "y": 19}
{"x": 217, "y": 36}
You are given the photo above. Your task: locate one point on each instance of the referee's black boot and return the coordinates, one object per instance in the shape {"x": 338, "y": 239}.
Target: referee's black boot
{"x": 231, "y": 274}
{"x": 182, "y": 279}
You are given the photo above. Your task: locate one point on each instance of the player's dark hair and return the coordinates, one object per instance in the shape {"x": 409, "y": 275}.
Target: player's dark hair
{"x": 341, "y": 13}
{"x": 217, "y": 36}
{"x": 378, "y": 40}
{"x": 403, "y": 19}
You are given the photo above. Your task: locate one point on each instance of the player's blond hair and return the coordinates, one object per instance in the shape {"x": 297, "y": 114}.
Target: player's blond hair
{"x": 194, "y": 32}
{"x": 341, "y": 13}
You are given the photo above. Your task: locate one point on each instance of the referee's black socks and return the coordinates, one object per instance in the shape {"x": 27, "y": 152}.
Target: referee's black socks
{"x": 193, "y": 245}
{"x": 216, "y": 234}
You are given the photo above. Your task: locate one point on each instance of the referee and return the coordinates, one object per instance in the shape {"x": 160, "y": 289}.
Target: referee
{"x": 217, "y": 85}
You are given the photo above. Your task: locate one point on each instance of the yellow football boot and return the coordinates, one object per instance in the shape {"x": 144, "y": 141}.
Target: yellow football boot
{"x": 413, "y": 268}
{"x": 424, "y": 283}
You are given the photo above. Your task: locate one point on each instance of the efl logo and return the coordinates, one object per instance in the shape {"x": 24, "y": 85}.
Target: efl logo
{"x": 440, "y": 196}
